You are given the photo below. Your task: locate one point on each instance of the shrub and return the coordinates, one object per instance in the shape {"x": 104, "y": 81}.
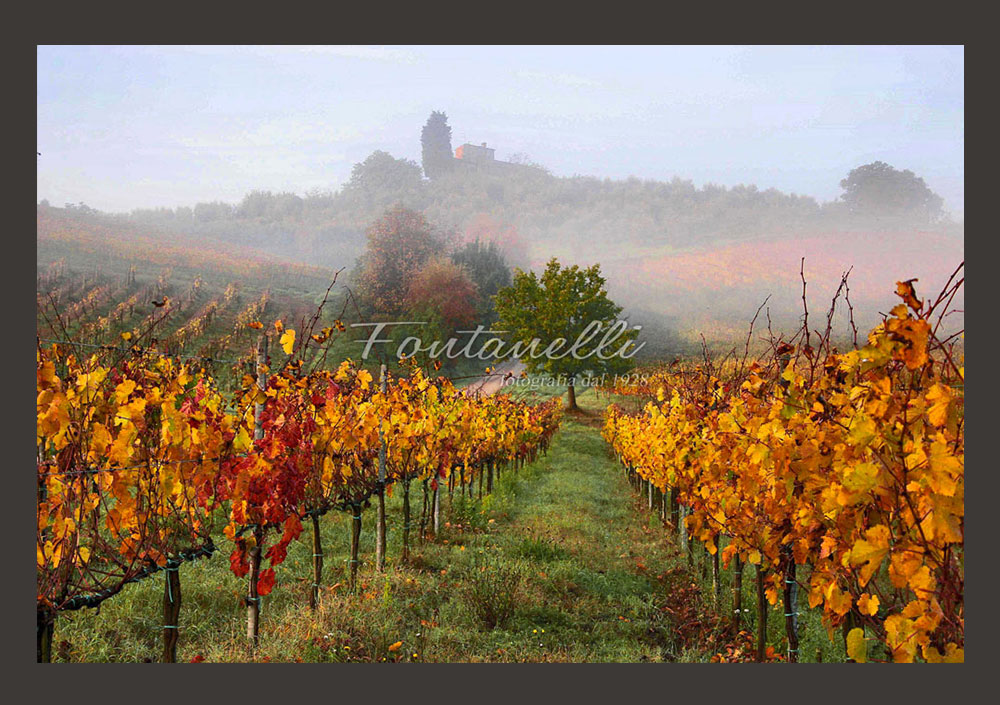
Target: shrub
{"x": 492, "y": 590}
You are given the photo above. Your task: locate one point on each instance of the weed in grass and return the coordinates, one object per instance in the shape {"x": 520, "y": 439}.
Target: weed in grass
{"x": 540, "y": 549}
{"x": 492, "y": 588}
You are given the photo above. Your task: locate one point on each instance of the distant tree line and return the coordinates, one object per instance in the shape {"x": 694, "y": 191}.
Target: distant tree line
{"x": 329, "y": 226}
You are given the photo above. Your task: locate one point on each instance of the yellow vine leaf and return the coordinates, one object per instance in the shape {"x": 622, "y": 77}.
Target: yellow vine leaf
{"x": 900, "y": 637}
{"x": 868, "y": 604}
{"x": 288, "y": 341}
{"x": 856, "y": 647}
{"x": 862, "y": 431}
{"x": 870, "y": 551}
{"x": 939, "y": 397}
{"x": 952, "y": 654}
{"x": 861, "y": 477}
{"x": 242, "y": 441}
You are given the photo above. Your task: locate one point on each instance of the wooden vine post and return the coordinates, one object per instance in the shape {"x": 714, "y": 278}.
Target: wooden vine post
{"x": 737, "y": 593}
{"x": 423, "y": 515}
{"x": 405, "y": 557}
{"x": 791, "y": 606}
{"x": 761, "y": 615}
{"x": 46, "y": 627}
{"x": 355, "y": 542}
{"x": 675, "y": 512}
{"x": 317, "y": 562}
{"x": 436, "y": 508}
{"x": 46, "y": 619}
{"x": 686, "y": 543}
{"x": 451, "y": 487}
{"x": 258, "y": 409}
{"x": 171, "y": 612}
{"x": 253, "y": 598}
{"x": 716, "y": 583}
{"x": 380, "y": 523}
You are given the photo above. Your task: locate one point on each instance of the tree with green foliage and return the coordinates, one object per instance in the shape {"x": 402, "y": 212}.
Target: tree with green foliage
{"x": 267, "y": 206}
{"x": 381, "y": 179}
{"x": 435, "y": 142}
{"x": 564, "y": 323}
{"x": 488, "y": 269}
{"x": 879, "y": 190}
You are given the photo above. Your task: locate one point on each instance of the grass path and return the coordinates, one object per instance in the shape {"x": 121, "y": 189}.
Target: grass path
{"x": 577, "y": 522}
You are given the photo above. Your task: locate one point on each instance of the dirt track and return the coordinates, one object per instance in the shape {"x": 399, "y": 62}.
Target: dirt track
{"x": 492, "y": 383}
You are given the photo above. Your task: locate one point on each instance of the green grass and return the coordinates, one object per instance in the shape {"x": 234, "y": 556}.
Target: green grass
{"x": 596, "y": 580}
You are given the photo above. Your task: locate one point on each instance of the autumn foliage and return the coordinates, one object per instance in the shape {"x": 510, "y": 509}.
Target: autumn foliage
{"x": 850, "y": 464}
{"x": 137, "y": 452}
{"x": 399, "y": 244}
{"x": 128, "y": 457}
{"x": 445, "y": 290}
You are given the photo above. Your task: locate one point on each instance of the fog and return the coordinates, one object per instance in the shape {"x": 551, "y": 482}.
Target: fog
{"x": 702, "y": 180}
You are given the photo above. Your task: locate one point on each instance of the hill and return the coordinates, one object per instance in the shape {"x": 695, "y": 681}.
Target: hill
{"x": 681, "y": 258}
{"x": 715, "y": 291}
{"x": 98, "y": 278}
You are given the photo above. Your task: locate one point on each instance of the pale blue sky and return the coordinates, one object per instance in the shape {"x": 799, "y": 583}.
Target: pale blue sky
{"x": 126, "y": 127}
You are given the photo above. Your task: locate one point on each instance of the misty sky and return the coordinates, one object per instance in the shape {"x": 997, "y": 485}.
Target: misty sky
{"x": 127, "y": 127}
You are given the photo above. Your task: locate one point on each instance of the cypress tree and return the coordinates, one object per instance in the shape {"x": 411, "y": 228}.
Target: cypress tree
{"x": 435, "y": 141}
